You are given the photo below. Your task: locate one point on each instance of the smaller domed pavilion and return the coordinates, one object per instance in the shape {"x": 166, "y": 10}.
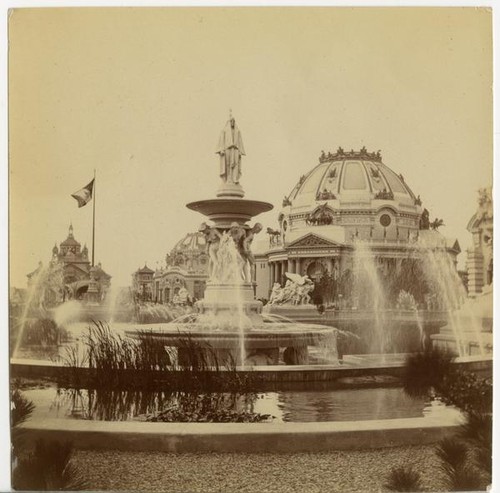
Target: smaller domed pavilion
{"x": 186, "y": 266}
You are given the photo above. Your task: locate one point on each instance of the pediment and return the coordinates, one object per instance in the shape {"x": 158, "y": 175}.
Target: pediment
{"x": 312, "y": 240}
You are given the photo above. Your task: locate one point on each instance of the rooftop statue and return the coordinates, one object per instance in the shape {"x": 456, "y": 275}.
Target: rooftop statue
{"x": 230, "y": 150}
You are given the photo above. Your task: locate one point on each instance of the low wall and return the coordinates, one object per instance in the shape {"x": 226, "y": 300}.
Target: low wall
{"x": 242, "y": 437}
{"x": 264, "y": 377}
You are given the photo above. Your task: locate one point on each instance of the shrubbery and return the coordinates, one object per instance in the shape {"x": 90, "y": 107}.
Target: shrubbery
{"x": 47, "y": 466}
{"x": 465, "y": 460}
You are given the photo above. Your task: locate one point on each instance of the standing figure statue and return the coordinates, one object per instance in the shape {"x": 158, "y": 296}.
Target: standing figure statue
{"x": 212, "y": 237}
{"x": 230, "y": 150}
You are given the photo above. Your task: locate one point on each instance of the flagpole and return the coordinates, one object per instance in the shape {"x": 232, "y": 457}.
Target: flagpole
{"x": 93, "y": 222}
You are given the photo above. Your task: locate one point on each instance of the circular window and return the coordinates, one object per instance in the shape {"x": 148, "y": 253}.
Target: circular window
{"x": 385, "y": 220}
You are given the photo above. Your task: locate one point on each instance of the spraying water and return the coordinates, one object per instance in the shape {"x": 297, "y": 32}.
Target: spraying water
{"x": 370, "y": 291}
{"x": 68, "y": 312}
{"x": 442, "y": 274}
{"x": 34, "y": 299}
{"x": 232, "y": 274}
{"x": 112, "y": 302}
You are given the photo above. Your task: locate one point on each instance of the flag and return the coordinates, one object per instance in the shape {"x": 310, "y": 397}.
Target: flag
{"x": 84, "y": 196}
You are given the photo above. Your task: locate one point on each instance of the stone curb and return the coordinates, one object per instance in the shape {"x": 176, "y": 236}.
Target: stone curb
{"x": 243, "y": 437}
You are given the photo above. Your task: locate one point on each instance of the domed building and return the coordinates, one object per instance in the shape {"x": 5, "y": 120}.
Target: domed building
{"x": 78, "y": 275}
{"x": 186, "y": 267}
{"x": 347, "y": 197}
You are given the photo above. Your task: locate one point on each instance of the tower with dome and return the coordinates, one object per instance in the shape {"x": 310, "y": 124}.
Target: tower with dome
{"x": 76, "y": 270}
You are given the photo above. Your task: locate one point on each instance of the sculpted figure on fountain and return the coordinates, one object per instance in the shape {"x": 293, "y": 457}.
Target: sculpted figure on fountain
{"x": 243, "y": 239}
{"x": 230, "y": 254}
{"x": 246, "y": 251}
{"x": 275, "y": 293}
{"x": 212, "y": 237}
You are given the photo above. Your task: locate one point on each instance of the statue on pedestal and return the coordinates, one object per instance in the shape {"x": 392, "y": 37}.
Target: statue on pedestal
{"x": 295, "y": 292}
{"x": 230, "y": 150}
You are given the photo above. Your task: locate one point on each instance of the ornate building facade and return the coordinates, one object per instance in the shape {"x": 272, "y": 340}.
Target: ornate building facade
{"x": 79, "y": 278}
{"x": 480, "y": 256}
{"x": 186, "y": 266}
{"x": 142, "y": 283}
{"x": 347, "y": 199}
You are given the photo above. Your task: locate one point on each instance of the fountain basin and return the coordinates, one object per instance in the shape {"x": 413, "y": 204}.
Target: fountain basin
{"x": 262, "y": 345}
{"x": 225, "y": 211}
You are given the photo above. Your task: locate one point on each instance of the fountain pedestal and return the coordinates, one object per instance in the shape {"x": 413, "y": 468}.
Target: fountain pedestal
{"x": 229, "y": 327}
{"x": 233, "y": 303}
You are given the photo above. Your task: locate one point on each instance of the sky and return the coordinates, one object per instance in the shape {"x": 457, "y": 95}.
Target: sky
{"x": 141, "y": 95}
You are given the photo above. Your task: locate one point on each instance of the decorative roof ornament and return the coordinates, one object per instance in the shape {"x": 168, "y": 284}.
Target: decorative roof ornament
{"x": 340, "y": 155}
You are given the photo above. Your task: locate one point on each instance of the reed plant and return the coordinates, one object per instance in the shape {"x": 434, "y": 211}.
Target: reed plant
{"x": 114, "y": 361}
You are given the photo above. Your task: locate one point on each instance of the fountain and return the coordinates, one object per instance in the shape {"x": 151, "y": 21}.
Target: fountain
{"x": 229, "y": 321}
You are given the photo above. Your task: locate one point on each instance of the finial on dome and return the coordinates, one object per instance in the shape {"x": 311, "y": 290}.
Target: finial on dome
{"x": 70, "y": 230}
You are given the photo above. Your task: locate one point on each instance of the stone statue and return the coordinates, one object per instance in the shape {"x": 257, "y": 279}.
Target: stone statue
{"x": 212, "y": 237}
{"x": 424, "y": 220}
{"x": 230, "y": 150}
{"x": 238, "y": 234}
{"x": 295, "y": 292}
{"x": 183, "y": 296}
{"x": 243, "y": 240}
{"x": 274, "y": 236}
{"x": 275, "y": 293}
{"x": 246, "y": 251}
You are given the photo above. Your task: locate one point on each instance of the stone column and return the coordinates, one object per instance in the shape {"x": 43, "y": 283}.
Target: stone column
{"x": 289, "y": 266}
{"x": 298, "y": 266}
{"x": 283, "y": 267}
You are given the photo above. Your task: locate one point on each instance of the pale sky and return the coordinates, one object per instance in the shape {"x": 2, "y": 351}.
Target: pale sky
{"x": 141, "y": 94}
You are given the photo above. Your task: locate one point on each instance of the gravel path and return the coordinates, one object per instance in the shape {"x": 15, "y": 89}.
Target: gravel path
{"x": 352, "y": 471}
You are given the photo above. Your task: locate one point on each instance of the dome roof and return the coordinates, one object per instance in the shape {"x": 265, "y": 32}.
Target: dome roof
{"x": 191, "y": 242}
{"x": 70, "y": 242}
{"x": 145, "y": 270}
{"x": 357, "y": 177}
